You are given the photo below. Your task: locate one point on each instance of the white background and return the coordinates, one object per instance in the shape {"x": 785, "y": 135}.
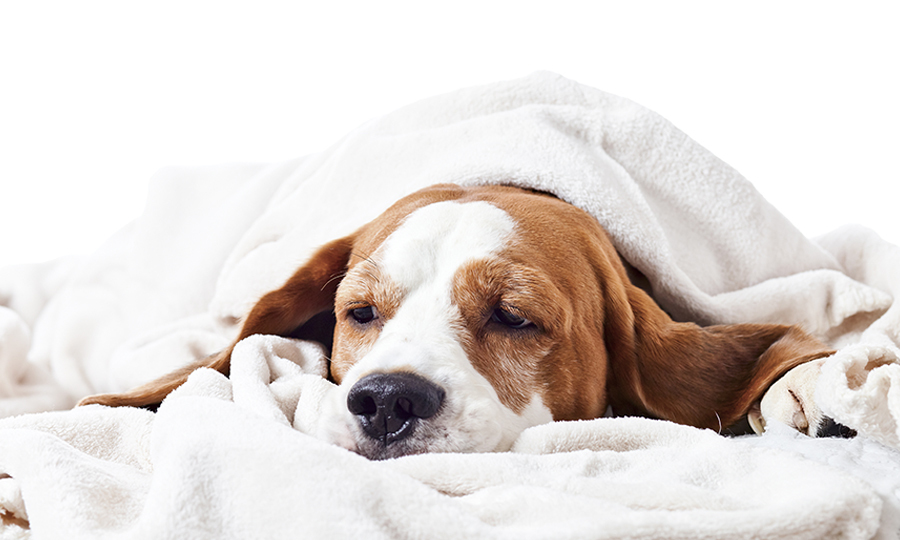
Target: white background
{"x": 801, "y": 97}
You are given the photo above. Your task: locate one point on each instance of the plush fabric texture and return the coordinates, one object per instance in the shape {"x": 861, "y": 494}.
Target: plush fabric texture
{"x": 234, "y": 458}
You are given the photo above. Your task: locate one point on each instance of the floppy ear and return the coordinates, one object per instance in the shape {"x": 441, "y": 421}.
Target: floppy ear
{"x": 308, "y": 292}
{"x": 701, "y": 376}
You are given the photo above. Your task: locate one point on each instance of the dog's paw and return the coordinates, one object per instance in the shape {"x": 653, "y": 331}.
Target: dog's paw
{"x": 791, "y": 401}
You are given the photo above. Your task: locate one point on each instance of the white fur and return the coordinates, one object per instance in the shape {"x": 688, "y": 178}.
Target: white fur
{"x": 421, "y": 258}
{"x": 791, "y": 401}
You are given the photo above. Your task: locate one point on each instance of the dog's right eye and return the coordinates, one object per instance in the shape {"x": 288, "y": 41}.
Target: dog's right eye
{"x": 364, "y": 314}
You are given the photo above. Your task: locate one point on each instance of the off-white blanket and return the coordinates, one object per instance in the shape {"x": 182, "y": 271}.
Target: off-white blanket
{"x": 232, "y": 458}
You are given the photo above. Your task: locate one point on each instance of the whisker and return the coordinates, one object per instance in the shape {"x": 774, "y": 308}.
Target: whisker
{"x": 362, "y": 257}
{"x": 342, "y": 275}
{"x": 334, "y": 277}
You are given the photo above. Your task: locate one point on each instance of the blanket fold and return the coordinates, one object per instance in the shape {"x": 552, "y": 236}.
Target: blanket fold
{"x": 238, "y": 457}
{"x": 198, "y": 469}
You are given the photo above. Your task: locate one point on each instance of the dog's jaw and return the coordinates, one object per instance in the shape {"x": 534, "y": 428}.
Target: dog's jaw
{"x": 424, "y": 334}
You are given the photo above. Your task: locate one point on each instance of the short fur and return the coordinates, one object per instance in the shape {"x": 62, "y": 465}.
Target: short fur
{"x": 602, "y": 341}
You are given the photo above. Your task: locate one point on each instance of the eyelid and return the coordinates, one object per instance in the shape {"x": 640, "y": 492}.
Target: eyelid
{"x": 511, "y": 309}
{"x": 530, "y": 325}
{"x": 369, "y": 314}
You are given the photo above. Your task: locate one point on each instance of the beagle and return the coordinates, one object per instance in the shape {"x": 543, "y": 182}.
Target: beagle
{"x": 463, "y": 315}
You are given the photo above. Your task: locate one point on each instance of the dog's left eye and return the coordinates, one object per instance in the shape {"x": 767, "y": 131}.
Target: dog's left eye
{"x": 364, "y": 315}
{"x": 510, "y": 320}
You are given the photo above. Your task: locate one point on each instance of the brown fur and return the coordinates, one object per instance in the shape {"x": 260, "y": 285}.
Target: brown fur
{"x": 599, "y": 340}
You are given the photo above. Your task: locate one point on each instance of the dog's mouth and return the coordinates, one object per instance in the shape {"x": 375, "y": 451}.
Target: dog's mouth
{"x": 421, "y": 443}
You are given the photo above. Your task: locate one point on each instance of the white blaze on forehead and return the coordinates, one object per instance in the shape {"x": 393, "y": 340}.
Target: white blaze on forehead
{"x": 421, "y": 259}
{"x": 439, "y": 238}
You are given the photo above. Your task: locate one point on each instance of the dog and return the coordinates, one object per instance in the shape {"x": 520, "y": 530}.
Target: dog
{"x": 464, "y": 315}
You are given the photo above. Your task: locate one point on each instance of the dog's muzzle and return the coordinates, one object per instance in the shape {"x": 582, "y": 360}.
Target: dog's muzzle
{"x": 388, "y": 406}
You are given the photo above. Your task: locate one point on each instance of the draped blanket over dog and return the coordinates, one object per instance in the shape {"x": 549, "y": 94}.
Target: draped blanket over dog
{"x": 231, "y": 458}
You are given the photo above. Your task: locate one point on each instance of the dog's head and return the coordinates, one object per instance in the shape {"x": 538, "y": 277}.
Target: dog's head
{"x": 465, "y": 315}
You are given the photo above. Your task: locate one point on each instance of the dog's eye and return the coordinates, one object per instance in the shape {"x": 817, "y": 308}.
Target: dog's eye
{"x": 510, "y": 320}
{"x": 364, "y": 315}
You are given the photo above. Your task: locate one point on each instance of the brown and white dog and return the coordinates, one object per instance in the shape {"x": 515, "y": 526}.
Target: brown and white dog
{"x": 465, "y": 315}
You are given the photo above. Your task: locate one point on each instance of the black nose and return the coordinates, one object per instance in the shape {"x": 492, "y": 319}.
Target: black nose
{"x": 389, "y": 405}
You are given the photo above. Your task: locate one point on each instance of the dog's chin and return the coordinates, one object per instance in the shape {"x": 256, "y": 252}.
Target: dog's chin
{"x": 428, "y": 438}
{"x": 377, "y": 451}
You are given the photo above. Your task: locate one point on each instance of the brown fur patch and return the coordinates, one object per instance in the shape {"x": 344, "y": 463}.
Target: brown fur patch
{"x": 508, "y": 358}
{"x": 364, "y": 285}
{"x": 556, "y": 242}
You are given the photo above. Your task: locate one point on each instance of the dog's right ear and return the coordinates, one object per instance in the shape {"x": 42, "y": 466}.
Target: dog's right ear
{"x": 309, "y": 291}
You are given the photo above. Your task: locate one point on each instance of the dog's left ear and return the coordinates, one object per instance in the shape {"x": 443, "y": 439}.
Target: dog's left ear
{"x": 702, "y": 376}
{"x": 308, "y": 292}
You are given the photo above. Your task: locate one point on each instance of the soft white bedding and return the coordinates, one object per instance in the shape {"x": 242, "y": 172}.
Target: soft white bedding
{"x": 233, "y": 459}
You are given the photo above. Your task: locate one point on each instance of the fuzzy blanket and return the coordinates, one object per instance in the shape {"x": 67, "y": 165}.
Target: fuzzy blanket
{"x": 233, "y": 458}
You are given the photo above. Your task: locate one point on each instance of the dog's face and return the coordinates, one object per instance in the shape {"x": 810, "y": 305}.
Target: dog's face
{"x": 458, "y": 325}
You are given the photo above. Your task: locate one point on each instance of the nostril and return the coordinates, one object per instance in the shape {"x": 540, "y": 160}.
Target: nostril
{"x": 425, "y": 401}
{"x": 403, "y": 408}
{"x": 388, "y": 405}
{"x": 363, "y": 404}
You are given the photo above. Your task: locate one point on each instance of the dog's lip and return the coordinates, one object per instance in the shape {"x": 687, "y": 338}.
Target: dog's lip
{"x": 378, "y": 451}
